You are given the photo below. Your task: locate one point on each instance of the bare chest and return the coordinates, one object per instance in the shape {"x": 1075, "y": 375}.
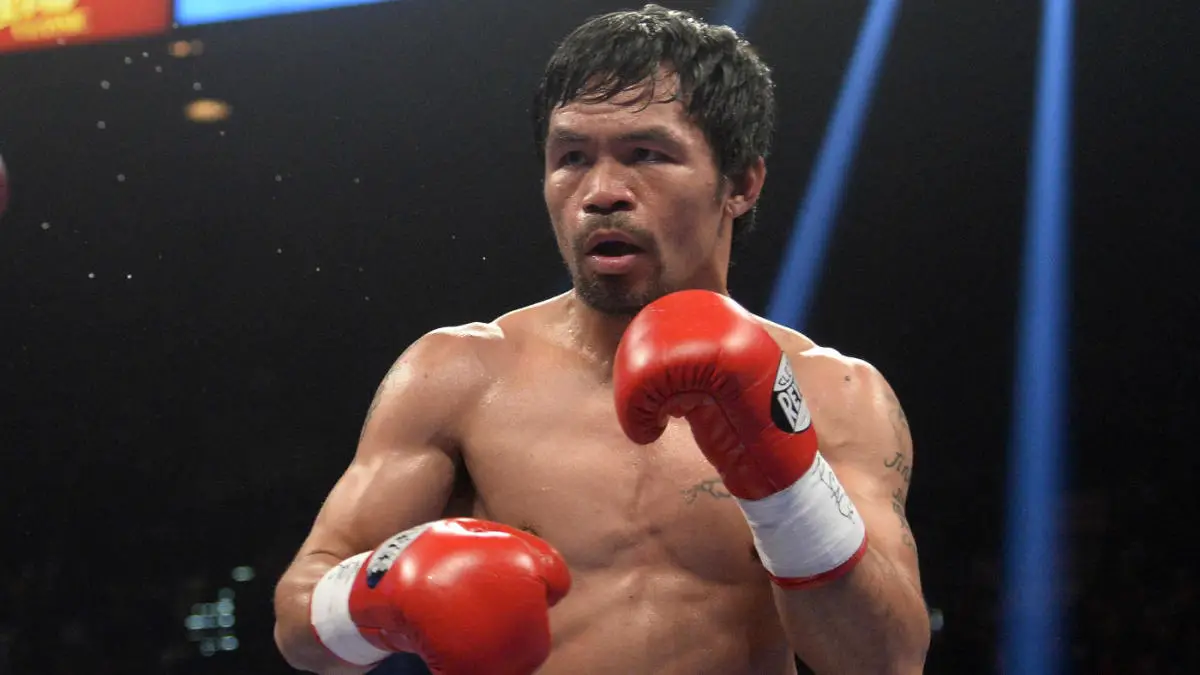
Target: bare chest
{"x": 550, "y": 456}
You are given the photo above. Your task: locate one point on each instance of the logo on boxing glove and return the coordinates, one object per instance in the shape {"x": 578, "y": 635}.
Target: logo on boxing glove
{"x": 385, "y": 556}
{"x": 788, "y": 410}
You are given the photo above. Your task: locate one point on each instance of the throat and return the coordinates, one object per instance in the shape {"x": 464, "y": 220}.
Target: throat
{"x": 594, "y": 335}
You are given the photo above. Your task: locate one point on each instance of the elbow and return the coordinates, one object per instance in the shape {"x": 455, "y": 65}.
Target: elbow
{"x": 304, "y": 654}
{"x": 292, "y": 634}
{"x": 905, "y": 645}
{"x": 900, "y": 660}
{"x": 909, "y": 663}
{"x": 283, "y": 644}
{"x": 908, "y": 655}
{"x": 292, "y": 649}
{"x": 910, "y": 647}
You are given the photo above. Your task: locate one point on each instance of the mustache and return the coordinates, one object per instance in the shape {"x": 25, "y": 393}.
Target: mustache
{"x": 616, "y": 222}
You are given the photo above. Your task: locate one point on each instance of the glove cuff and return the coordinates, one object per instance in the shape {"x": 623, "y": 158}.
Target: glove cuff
{"x": 329, "y": 612}
{"x": 808, "y": 533}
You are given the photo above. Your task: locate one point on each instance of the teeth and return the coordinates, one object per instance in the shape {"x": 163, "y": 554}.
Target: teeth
{"x": 614, "y": 248}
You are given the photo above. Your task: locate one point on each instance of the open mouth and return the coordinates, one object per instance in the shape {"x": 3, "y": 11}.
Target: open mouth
{"x": 614, "y": 249}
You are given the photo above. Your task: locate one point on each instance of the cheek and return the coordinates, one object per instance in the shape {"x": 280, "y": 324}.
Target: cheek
{"x": 560, "y": 234}
{"x": 560, "y": 199}
{"x": 558, "y": 188}
{"x": 694, "y": 228}
{"x": 553, "y": 196}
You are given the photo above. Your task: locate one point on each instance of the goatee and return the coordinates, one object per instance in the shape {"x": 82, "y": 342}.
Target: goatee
{"x": 611, "y": 295}
{"x": 614, "y": 295}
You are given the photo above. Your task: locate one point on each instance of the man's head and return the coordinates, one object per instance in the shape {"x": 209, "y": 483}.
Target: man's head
{"x": 653, "y": 128}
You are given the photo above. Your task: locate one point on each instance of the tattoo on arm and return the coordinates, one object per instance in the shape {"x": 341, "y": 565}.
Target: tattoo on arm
{"x": 378, "y": 396}
{"x": 370, "y": 412}
{"x": 901, "y": 464}
{"x": 712, "y": 487}
{"x": 899, "y": 422}
{"x": 898, "y": 498}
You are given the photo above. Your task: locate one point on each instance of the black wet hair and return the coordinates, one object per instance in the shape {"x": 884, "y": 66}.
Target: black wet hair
{"x": 725, "y": 87}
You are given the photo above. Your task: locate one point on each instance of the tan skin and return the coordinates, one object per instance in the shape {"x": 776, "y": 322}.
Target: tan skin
{"x": 513, "y": 421}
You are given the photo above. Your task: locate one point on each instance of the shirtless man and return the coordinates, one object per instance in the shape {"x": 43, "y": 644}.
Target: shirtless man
{"x": 644, "y": 488}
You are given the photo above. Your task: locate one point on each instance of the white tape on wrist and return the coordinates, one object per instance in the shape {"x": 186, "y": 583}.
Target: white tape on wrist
{"x": 330, "y": 615}
{"x": 808, "y": 529}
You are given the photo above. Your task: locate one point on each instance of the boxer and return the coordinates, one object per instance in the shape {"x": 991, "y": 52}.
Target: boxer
{"x": 639, "y": 475}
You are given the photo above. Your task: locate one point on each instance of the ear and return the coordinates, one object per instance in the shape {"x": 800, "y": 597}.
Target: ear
{"x": 746, "y": 188}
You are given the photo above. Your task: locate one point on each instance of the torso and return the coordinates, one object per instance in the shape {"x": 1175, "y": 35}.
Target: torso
{"x": 664, "y": 574}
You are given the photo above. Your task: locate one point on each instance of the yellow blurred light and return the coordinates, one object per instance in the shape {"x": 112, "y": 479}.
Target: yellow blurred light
{"x": 207, "y": 111}
{"x": 181, "y": 49}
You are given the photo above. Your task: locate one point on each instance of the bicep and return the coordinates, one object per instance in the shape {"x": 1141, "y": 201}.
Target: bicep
{"x": 883, "y": 512}
{"x": 404, "y": 470}
{"x": 380, "y": 495}
{"x": 872, "y": 454}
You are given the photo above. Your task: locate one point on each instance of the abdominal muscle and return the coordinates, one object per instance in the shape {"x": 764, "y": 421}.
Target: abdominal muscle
{"x": 648, "y": 620}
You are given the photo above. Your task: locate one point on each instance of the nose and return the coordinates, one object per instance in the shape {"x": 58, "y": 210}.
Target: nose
{"x": 607, "y": 190}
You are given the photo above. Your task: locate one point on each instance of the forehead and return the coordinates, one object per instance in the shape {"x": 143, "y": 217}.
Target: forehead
{"x": 635, "y": 107}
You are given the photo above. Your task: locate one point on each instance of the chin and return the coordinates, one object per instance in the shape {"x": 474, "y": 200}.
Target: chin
{"x": 617, "y": 295}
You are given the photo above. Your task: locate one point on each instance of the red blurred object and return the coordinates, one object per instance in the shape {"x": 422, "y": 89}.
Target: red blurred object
{"x": 3, "y": 188}
{"x": 34, "y": 24}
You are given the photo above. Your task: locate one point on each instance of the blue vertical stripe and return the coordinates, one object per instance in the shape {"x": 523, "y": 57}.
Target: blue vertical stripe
{"x": 737, "y": 14}
{"x": 805, "y": 254}
{"x": 1032, "y": 637}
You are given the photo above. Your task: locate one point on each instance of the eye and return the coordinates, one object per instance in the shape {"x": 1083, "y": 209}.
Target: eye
{"x": 572, "y": 158}
{"x": 648, "y": 155}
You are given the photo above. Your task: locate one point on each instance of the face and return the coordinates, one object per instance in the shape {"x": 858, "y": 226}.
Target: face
{"x": 638, "y": 207}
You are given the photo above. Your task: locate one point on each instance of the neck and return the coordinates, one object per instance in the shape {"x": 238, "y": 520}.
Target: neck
{"x": 598, "y": 334}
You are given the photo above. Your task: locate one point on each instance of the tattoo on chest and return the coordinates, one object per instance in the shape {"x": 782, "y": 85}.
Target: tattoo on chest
{"x": 713, "y": 487}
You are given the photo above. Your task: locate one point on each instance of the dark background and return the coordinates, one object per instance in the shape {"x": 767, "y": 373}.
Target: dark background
{"x": 186, "y": 354}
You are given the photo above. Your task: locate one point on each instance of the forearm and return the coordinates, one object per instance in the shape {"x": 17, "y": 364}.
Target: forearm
{"x": 294, "y": 634}
{"x": 872, "y": 620}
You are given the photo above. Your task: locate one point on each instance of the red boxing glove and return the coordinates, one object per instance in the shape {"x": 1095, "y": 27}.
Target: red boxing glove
{"x": 468, "y": 596}
{"x": 699, "y": 355}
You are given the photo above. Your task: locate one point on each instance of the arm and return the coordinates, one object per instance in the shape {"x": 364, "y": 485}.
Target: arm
{"x": 402, "y": 475}
{"x": 849, "y": 596}
{"x": 873, "y": 619}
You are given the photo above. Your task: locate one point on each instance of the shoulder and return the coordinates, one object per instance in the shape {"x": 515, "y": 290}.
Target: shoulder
{"x": 828, "y": 363}
{"x": 485, "y": 345}
{"x": 468, "y": 357}
{"x": 438, "y": 374}
{"x": 851, "y": 401}
{"x": 823, "y": 365}
{"x": 459, "y": 350}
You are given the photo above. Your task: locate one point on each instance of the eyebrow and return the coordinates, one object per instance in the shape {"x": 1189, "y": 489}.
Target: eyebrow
{"x": 654, "y": 134}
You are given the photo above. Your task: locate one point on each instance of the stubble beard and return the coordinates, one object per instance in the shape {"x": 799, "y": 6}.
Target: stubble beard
{"x": 612, "y": 295}
{"x": 616, "y": 295}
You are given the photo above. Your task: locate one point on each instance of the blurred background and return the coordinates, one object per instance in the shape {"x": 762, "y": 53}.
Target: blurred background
{"x": 226, "y": 219}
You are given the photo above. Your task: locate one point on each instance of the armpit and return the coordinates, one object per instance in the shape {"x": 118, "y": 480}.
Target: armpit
{"x": 462, "y": 496}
